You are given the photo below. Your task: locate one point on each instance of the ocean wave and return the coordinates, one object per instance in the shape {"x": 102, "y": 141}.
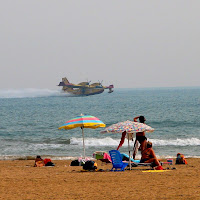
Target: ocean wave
{"x": 33, "y": 157}
{"x": 177, "y": 142}
{"x": 30, "y": 93}
{"x": 115, "y": 142}
{"x": 94, "y": 141}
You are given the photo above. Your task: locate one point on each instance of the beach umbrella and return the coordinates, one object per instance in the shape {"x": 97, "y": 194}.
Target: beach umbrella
{"x": 130, "y": 127}
{"x": 83, "y": 121}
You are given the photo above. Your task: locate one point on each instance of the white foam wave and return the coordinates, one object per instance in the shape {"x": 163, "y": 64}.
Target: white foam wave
{"x": 176, "y": 142}
{"x": 29, "y": 92}
{"x": 115, "y": 142}
{"x": 23, "y": 157}
{"x": 94, "y": 141}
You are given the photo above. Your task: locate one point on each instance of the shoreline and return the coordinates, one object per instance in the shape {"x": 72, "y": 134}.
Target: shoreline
{"x": 11, "y": 158}
{"x": 20, "y": 180}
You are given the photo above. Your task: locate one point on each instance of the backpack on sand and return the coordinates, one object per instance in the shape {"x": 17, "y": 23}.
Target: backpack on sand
{"x": 90, "y": 165}
{"x": 75, "y": 163}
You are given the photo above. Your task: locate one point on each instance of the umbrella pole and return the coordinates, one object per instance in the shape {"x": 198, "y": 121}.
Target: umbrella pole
{"x": 83, "y": 143}
{"x": 129, "y": 152}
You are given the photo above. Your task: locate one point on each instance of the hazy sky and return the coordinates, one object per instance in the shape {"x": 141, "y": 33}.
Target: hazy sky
{"x": 131, "y": 44}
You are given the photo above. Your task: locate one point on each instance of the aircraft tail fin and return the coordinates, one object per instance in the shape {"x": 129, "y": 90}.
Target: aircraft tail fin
{"x": 65, "y": 80}
{"x": 65, "y": 83}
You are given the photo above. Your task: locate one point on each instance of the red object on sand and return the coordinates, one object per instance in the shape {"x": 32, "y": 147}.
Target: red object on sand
{"x": 46, "y": 160}
{"x": 159, "y": 168}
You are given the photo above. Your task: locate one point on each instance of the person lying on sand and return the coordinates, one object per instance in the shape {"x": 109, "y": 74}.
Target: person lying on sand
{"x": 149, "y": 156}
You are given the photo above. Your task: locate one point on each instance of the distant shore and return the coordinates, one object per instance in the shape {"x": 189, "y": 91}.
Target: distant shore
{"x": 20, "y": 180}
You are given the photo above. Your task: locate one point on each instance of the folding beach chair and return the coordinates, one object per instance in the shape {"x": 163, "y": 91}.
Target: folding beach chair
{"x": 118, "y": 164}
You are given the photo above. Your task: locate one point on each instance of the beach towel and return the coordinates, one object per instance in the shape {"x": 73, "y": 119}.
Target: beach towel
{"x": 125, "y": 157}
{"x": 106, "y": 156}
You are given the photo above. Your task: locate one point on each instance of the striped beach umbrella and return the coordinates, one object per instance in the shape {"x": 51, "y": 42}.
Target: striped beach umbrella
{"x": 129, "y": 127}
{"x": 83, "y": 121}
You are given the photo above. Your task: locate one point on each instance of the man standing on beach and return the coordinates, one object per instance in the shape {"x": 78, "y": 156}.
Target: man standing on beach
{"x": 140, "y": 136}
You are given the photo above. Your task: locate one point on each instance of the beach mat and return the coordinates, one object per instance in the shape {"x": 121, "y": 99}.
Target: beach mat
{"x": 154, "y": 171}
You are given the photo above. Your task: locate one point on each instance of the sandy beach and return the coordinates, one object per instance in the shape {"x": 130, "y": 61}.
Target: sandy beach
{"x": 20, "y": 180}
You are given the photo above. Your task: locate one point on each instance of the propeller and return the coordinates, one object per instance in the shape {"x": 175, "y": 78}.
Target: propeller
{"x": 88, "y": 81}
{"x": 100, "y": 83}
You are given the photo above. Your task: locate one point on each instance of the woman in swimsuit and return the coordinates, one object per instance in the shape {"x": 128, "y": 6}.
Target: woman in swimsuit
{"x": 149, "y": 156}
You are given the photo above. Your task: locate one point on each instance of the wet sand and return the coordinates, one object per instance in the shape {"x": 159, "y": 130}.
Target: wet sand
{"x": 20, "y": 180}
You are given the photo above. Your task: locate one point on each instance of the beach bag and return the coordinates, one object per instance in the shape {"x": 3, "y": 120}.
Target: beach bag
{"x": 180, "y": 159}
{"x": 90, "y": 165}
{"x": 48, "y": 162}
{"x": 75, "y": 163}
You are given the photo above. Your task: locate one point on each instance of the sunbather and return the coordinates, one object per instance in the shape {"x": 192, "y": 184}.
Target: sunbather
{"x": 149, "y": 156}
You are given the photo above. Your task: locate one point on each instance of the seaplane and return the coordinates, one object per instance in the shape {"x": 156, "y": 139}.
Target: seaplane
{"x": 84, "y": 88}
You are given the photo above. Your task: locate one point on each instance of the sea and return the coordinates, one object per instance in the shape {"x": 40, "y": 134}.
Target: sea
{"x": 30, "y": 118}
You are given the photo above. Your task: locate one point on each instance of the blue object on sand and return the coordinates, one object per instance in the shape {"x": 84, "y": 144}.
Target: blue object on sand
{"x": 117, "y": 163}
{"x": 126, "y": 157}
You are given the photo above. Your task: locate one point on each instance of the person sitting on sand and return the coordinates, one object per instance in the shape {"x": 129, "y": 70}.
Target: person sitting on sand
{"x": 39, "y": 162}
{"x": 149, "y": 156}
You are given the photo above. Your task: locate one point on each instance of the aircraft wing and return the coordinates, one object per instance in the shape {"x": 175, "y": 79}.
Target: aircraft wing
{"x": 77, "y": 86}
{"x": 70, "y": 85}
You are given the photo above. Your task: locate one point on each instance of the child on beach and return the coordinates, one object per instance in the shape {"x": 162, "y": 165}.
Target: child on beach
{"x": 39, "y": 162}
